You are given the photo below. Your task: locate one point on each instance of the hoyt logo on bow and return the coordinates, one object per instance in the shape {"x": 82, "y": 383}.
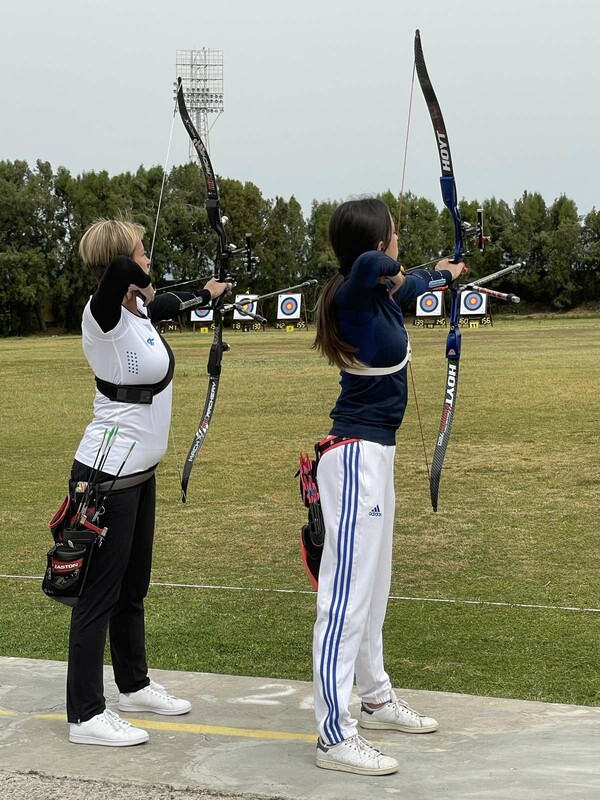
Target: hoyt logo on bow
{"x": 444, "y": 152}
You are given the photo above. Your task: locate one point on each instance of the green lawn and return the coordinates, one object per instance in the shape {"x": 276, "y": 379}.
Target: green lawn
{"x": 517, "y": 520}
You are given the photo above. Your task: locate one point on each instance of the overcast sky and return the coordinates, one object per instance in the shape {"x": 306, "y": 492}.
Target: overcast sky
{"x": 316, "y": 91}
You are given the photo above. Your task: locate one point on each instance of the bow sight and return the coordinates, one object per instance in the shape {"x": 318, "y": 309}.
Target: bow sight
{"x": 476, "y": 231}
{"x": 473, "y": 232}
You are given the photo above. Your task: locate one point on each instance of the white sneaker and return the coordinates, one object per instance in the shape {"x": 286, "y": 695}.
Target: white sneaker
{"x": 153, "y": 698}
{"x": 396, "y": 715}
{"x": 355, "y": 755}
{"x": 108, "y": 729}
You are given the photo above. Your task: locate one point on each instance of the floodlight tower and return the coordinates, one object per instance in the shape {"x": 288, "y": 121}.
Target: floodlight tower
{"x": 201, "y": 72}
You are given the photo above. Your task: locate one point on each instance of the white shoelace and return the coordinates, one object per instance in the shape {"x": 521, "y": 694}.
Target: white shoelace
{"x": 402, "y": 705}
{"x": 115, "y": 721}
{"x": 362, "y": 746}
{"x": 160, "y": 690}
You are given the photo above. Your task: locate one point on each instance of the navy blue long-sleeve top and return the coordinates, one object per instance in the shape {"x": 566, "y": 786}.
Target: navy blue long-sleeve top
{"x": 372, "y": 407}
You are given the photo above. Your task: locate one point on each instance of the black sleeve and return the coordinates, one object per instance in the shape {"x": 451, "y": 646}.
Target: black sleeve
{"x": 166, "y": 306}
{"x": 108, "y": 297}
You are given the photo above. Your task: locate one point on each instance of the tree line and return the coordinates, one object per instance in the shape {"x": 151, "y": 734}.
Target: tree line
{"x": 43, "y": 214}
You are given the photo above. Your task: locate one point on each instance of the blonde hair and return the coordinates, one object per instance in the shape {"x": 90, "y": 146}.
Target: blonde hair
{"x": 106, "y": 239}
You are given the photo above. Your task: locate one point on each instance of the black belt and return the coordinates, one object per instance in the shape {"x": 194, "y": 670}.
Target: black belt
{"x": 125, "y": 481}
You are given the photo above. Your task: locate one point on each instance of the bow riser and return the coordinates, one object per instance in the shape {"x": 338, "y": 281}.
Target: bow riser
{"x": 453, "y": 340}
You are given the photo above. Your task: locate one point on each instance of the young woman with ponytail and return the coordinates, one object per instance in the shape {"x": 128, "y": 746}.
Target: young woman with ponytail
{"x": 360, "y": 330}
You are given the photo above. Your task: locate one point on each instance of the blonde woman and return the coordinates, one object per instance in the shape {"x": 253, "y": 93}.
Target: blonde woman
{"x": 133, "y": 367}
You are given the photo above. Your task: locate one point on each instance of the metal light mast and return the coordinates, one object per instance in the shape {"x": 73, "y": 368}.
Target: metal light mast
{"x": 201, "y": 72}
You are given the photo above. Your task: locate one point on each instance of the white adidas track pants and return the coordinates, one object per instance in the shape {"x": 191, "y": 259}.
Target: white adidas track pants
{"x": 356, "y": 485}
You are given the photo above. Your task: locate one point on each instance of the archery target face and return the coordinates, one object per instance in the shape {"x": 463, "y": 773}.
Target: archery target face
{"x": 201, "y": 315}
{"x": 245, "y": 300}
{"x": 430, "y": 304}
{"x": 473, "y": 303}
{"x": 288, "y": 306}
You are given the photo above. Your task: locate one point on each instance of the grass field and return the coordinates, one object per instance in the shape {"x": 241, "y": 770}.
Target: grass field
{"x": 517, "y": 522}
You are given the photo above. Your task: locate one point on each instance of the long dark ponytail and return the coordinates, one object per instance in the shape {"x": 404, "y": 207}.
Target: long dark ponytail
{"x": 355, "y": 227}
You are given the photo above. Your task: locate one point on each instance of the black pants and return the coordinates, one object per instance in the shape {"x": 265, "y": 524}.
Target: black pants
{"x": 113, "y": 598}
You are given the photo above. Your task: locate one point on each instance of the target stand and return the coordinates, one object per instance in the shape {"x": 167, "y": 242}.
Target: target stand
{"x": 168, "y": 325}
{"x": 475, "y": 311}
{"x": 202, "y": 318}
{"x": 241, "y": 321}
{"x": 291, "y": 315}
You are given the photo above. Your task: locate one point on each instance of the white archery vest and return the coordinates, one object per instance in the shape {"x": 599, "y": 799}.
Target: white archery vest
{"x": 131, "y": 353}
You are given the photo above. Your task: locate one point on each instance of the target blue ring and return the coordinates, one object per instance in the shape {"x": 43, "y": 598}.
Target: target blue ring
{"x": 429, "y": 302}
{"x": 289, "y": 306}
{"x": 473, "y": 301}
{"x": 246, "y": 301}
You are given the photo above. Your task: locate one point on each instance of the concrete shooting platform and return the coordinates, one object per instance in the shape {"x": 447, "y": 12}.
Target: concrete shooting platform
{"x": 256, "y": 736}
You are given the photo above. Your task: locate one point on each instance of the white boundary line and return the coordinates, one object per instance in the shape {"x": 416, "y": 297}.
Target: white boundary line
{"x": 302, "y": 591}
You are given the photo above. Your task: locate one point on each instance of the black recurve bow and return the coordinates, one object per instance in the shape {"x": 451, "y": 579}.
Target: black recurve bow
{"x": 225, "y": 252}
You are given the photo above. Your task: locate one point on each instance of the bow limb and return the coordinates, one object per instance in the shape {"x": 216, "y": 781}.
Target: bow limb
{"x": 453, "y": 341}
{"x": 221, "y": 272}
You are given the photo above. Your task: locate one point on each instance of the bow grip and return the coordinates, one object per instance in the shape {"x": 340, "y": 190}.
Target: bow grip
{"x": 453, "y": 344}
